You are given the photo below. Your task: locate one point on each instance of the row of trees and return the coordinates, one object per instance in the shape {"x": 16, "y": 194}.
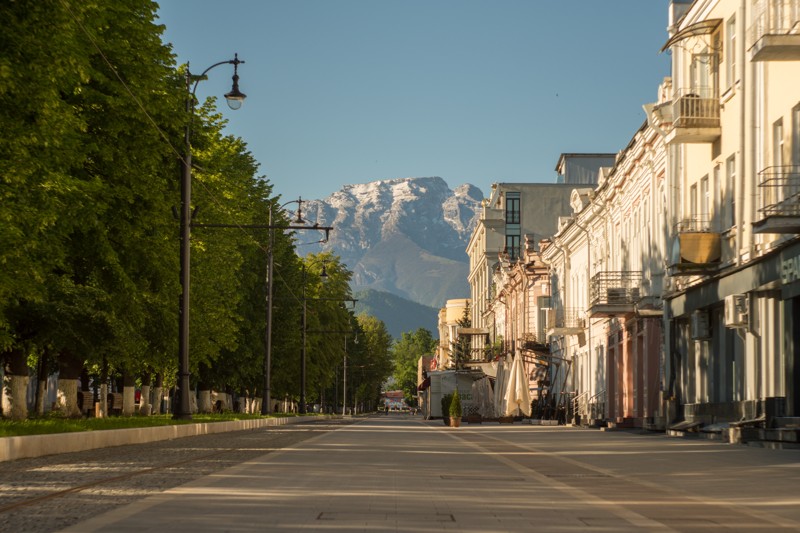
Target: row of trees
{"x": 93, "y": 114}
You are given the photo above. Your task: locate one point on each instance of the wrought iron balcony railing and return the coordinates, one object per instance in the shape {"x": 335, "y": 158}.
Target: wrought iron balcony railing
{"x": 566, "y": 318}
{"x": 615, "y": 288}
{"x": 779, "y": 188}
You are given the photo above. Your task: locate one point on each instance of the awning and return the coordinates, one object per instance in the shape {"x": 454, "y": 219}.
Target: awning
{"x": 703, "y": 27}
{"x": 424, "y": 385}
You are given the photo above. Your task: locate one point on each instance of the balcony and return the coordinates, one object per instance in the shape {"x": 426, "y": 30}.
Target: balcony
{"x": 780, "y": 198}
{"x": 614, "y": 294}
{"x": 532, "y": 343}
{"x": 699, "y": 248}
{"x": 692, "y": 116}
{"x": 775, "y": 32}
{"x": 566, "y": 321}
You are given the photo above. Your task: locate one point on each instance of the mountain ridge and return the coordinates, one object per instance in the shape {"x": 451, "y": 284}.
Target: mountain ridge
{"x": 404, "y": 236}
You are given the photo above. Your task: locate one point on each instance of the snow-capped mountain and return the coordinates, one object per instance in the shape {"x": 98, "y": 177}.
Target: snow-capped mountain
{"x": 404, "y": 236}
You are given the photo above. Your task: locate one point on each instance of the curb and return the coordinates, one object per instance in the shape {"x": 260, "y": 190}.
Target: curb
{"x": 29, "y": 446}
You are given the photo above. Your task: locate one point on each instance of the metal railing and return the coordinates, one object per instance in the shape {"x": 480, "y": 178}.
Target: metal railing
{"x": 695, "y": 224}
{"x": 774, "y": 17}
{"x": 621, "y": 287}
{"x": 596, "y": 408}
{"x": 578, "y": 403}
{"x": 780, "y": 191}
{"x": 697, "y": 107}
{"x": 566, "y": 317}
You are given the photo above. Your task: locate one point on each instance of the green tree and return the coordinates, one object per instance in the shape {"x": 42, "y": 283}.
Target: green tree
{"x": 406, "y": 353}
{"x": 372, "y": 366}
{"x": 327, "y": 317}
{"x": 460, "y": 347}
{"x": 90, "y": 179}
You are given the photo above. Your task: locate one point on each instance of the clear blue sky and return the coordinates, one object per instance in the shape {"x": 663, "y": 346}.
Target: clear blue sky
{"x": 473, "y": 91}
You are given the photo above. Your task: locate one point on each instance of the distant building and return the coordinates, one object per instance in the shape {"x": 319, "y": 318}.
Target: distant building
{"x": 394, "y": 399}
{"x": 582, "y": 169}
{"x": 512, "y": 213}
{"x": 449, "y": 317}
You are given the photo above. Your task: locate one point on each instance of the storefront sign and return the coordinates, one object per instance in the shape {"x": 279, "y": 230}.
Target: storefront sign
{"x": 790, "y": 270}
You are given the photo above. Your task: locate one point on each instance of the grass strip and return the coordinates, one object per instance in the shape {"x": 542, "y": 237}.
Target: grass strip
{"x": 57, "y": 424}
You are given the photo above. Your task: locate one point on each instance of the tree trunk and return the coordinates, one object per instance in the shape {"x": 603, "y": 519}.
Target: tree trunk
{"x": 69, "y": 370}
{"x": 41, "y": 383}
{"x": 102, "y": 393}
{"x": 67, "y": 401}
{"x": 16, "y": 381}
{"x": 128, "y": 393}
{"x": 158, "y": 394}
{"x": 204, "y": 404}
{"x": 145, "y": 405}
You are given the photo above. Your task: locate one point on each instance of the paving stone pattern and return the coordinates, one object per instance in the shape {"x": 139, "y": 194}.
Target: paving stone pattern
{"x": 53, "y": 492}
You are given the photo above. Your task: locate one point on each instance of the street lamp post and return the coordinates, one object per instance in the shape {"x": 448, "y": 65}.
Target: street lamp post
{"x": 344, "y": 378}
{"x": 324, "y": 276}
{"x": 235, "y": 99}
{"x": 298, "y": 224}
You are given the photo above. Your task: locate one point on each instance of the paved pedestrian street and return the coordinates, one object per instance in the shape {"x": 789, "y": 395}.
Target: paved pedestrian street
{"x": 400, "y": 473}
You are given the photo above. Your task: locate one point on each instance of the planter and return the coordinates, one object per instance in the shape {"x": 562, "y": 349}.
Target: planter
{"x": 455, "y": 422}
{"x": 474, "y": 419}
{"x": 446, "y": 420}
{"x": 506, "y": 419}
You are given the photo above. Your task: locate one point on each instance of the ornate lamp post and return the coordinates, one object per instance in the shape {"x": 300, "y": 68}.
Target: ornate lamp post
{"x": 235, "y": 98}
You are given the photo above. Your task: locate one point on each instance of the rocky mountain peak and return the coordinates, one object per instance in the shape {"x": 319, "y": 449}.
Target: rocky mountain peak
{"x": 381, "y": 225}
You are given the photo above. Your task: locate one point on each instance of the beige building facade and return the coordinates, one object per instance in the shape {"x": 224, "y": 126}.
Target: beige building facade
{"x": 731, "y": 121}
{"x": 606, "y": 284}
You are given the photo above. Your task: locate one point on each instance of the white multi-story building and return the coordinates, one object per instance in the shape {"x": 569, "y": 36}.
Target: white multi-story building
{"x": 731, "y": 121}
{"x": 606, "y": 287}
{"x": 516, "y": 210}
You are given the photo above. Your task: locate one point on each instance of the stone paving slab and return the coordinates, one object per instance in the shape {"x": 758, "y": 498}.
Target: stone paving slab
{"x": 402, "y": 474}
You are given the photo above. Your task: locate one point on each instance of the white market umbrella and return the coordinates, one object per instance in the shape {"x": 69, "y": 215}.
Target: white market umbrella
{"x": 483, "y": 397}
{"x": 517, "y": 395}
{"x": 500, "y": 386}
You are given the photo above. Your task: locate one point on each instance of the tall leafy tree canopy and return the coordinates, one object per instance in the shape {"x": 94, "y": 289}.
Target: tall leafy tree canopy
{"x": 406, "y": 353}
{"x": 91, "y": 140}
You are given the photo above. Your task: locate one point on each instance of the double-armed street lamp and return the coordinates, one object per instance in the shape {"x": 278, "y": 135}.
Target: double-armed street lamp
{"x": 235, "y": 98}
{"x": 297, "y": 224}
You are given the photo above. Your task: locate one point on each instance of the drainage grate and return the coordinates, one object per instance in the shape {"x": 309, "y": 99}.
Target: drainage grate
{"x": 378, "y": 516}
{"x": 578, "y": 475}
{"x": 480, "y": 478}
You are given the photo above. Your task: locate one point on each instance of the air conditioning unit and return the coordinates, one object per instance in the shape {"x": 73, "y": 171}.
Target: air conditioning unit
{"x": 736, "y": 311}
{"x": 700, "y": 328}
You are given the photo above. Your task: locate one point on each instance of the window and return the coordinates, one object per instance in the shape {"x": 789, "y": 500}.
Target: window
{"x": 512, "y": 246}
{"x": 705, "y": 201}
{"x": 717, "y": 195}
{"x": 730, "y": 51}
{"x": 512, "y": 208}
{"x": 703, "y": 74}
{"x": 796, "y": 136}
{"x": 777, "y": 143}
{"x": 730, "y": 191}
{"x": 693, "y": 202}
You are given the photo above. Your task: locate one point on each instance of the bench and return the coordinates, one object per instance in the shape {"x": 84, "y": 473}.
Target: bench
{"x": 86, "y": 401}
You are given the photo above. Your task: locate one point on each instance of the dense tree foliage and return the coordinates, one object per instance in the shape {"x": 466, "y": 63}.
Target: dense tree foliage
{"x": 91, "y": 137}
{"x": 406, "y": 353}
